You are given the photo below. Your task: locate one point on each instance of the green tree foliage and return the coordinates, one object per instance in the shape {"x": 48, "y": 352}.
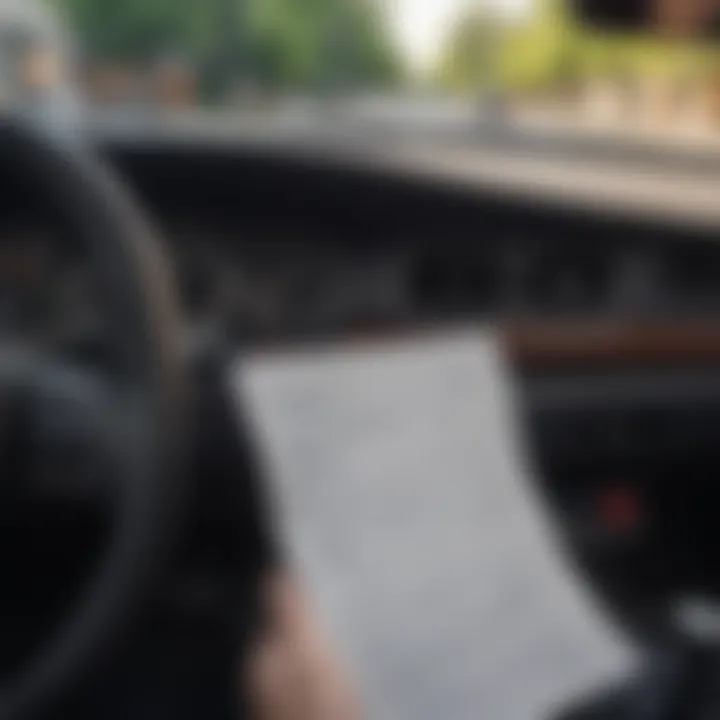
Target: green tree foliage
{"x": 312, "y": 43}
{"x": 136, "y": 28}
{"x": 546, "y": 50}
{"x": 550, "y": 50}
{"x": 468, "y": 58}
{"x": 283, "y": 43}
{"x": 482, "y": 48}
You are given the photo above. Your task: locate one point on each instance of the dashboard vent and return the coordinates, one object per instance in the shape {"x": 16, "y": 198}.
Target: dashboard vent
{"x": 568, "y": 282}
{"x": 692, "y": 277}
{"x": 456, "y": 284}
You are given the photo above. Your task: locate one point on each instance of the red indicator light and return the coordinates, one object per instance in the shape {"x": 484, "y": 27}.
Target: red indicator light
{"x": 619, "y": 508}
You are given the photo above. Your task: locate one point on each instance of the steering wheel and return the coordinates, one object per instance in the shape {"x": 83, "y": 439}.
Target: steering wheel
{"x": 132, "y": 413}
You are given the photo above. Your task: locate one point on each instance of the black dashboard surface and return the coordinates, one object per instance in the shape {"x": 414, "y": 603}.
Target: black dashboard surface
{"x": 271, "y": 246}
{"x": 320, "y": 245}
{"x": 617, "y": 359}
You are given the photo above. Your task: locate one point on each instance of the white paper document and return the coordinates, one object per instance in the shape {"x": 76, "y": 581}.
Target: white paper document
{"x": 403, "y": 499}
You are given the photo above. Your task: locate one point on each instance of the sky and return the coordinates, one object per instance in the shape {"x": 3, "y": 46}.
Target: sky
{"x": 421, "y": 25}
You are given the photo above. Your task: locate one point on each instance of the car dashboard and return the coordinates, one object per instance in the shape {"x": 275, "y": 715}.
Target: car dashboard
{"x": 608, "y": 321}
{"x": 271, "y": 246}
{"x": 277, "y": 244}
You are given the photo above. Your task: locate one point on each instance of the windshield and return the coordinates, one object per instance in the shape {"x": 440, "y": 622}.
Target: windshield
{"x": 530, "y": 59}
{"x": 528, "y": 64}
{"x": 233, "y": 53}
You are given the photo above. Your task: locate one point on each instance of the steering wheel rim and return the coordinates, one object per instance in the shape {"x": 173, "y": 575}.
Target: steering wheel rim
{"x": 145, "y": 316}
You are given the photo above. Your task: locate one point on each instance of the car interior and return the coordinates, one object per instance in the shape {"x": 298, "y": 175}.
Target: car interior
{"x": 134, "y": 525}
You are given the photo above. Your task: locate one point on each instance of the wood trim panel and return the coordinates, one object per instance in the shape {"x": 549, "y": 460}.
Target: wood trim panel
{"x": 562, "y": 343}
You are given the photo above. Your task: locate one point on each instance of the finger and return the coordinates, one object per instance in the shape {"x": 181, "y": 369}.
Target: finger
{"x": 289, "y": 611}
{"x": 273, "y": 686}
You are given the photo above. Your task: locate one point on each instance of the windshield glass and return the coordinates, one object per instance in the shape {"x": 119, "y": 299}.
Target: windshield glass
{"x": 530, "y": 59}
{"x": 525, "y": 63}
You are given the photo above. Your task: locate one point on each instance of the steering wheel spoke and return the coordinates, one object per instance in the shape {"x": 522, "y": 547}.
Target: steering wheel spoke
{"x": 80, "y": 427}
